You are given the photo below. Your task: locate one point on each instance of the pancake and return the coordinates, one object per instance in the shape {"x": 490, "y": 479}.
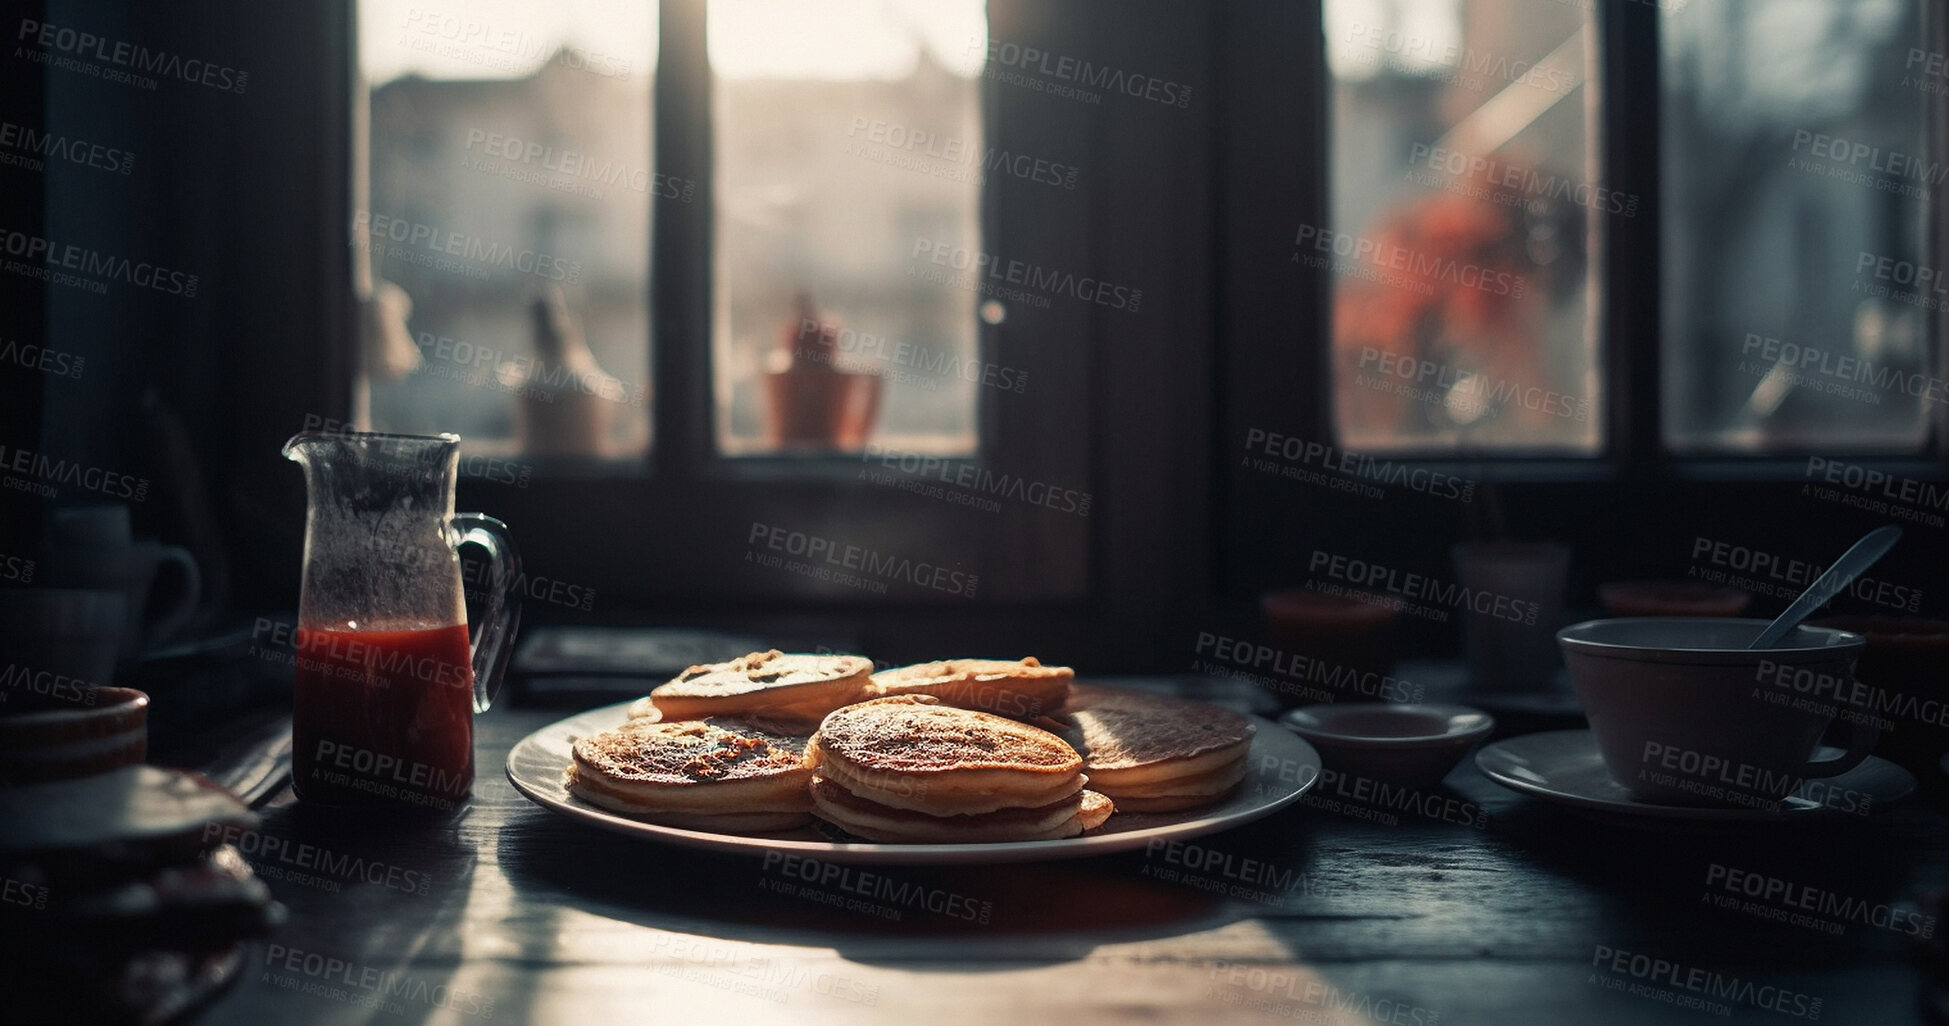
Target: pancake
{"x": 1066, "y": 817}
{"x": 644, "y": 709}
{"x": 918, "y": 753}
{"x": 1018, "y": 688}
{"x": 1156, "y": 753}
{"x": 717, "y": 774}
{"x": 771, "y": 684}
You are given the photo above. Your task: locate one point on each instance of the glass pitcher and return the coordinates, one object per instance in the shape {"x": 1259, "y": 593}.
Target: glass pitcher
{"x": 387, "y": 681}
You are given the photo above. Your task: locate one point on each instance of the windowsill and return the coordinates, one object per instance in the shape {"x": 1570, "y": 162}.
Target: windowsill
{"x": 1729, "y": 469}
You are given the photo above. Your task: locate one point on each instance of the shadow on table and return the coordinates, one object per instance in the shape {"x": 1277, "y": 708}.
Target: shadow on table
{"x": 378, "y": 909}
{"x": 1734, "y": 893}
{"x": 956, "y": 918}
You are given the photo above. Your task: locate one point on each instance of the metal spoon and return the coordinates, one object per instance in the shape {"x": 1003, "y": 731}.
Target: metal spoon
{"x": 1872, "y": 546}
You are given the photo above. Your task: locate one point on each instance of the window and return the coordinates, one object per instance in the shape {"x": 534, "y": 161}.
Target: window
{"x": 1475, "y": 183}
{"x": 1467, "y": 204}
{"x": 505, "y": 233}
{"x": 1795, "y": 159}
{"x": 746, "y": 343}
{"x": 512, "y": 197}
{"x": 844, "y": 132}
{"x": 1740, "y": 281}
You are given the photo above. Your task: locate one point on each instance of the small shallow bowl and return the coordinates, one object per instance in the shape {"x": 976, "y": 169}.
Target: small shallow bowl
{"x": 1413, "y": 745}
{"x": 77, "y": 732}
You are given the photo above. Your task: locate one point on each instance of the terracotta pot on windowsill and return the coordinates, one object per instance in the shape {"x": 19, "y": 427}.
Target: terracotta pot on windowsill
{"x": 810, "y": 402}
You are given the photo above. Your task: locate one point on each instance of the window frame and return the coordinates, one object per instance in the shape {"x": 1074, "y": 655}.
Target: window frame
{"x": 1093, "y": 589}
{"x": 1634, "y": 447}
{"x": 1620, "y": 509}
{"x": 683, "y": 458}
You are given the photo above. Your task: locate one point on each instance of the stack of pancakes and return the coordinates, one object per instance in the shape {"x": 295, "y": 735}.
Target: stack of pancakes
{"x": 913, "y": 768}
{"x": 934, "y": 752}
{"x": 1155, "y": 753}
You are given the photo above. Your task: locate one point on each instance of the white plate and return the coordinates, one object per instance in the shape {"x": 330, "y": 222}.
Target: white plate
{"x": 1279, "y": 768}
{"x": 1564, "y": 767}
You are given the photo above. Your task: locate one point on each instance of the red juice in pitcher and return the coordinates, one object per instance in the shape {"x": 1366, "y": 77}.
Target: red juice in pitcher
{"x": 383, "y": 716}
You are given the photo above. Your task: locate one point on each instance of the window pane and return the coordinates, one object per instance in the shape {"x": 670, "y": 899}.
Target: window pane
{"x": 1466, "y": 209}
{"x": 848, "y": 134}
{"x": 1794, "y": 165}
{"x": 507, "y": 223}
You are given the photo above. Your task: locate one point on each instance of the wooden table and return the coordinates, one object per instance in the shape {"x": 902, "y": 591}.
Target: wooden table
{"x": 1513, "y": 913}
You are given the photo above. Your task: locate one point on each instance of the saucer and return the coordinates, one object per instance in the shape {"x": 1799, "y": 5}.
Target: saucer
{"x": 1564, "y": 768}
{"x": 1414, "y": 745}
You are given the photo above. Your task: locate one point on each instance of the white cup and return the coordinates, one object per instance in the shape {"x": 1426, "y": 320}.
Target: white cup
{"x": 95, "y": 547}
{"x": 1684, "y": 713}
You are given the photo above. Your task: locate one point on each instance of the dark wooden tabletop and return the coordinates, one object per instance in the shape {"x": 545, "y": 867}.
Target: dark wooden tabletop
{"x": 1488, "y": 907}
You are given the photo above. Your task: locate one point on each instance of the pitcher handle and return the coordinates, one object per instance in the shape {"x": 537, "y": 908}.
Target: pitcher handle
{"x": 500, "y": 609}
